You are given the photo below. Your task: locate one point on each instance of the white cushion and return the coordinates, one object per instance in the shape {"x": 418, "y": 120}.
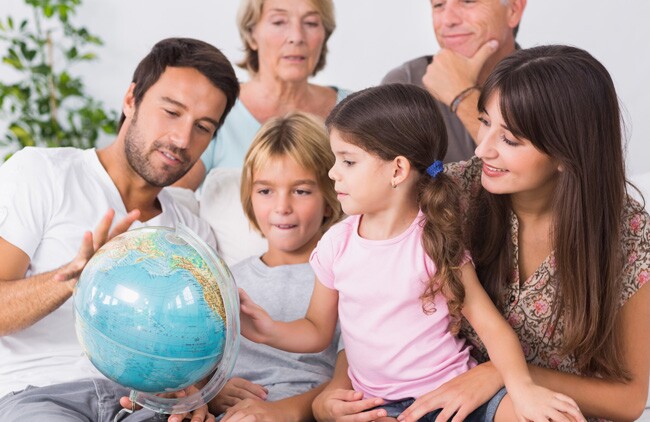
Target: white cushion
{"x": 185, "y": 197}
{"x": 220, "y": 206}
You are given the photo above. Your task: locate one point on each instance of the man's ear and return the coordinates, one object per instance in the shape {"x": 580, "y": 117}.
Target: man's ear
{"x": 515, "y": 12}
{"x": 128, "y": 104}
{"x": 401, "y": 170}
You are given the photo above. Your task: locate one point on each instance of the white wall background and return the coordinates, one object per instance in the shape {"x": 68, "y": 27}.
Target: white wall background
{"x": 373, "y": 36}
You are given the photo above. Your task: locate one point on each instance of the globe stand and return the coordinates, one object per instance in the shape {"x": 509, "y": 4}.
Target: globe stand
{"x": 223, "y": 368}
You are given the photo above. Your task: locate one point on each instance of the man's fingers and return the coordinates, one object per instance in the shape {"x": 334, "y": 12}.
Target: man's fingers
{"x": 126, "y": 403}
{"x": 86, "y": 250}
{"x": 73, "y": 269}
{"x": 101, "y": 231}
{"x": 124, "y": 224}
{"x": 484, "y": 52}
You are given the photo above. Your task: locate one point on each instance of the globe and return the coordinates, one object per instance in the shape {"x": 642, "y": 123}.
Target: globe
{"x": 156, "y": 310}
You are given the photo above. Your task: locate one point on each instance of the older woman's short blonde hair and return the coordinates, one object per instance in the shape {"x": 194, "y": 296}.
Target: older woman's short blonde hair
{"x": 250, "y": 12}
{"x": 302, "y": 138}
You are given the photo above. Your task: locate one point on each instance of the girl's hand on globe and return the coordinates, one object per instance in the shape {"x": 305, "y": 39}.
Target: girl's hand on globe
{"x": 91, "y": 242}
{"x": 256, "y": 324}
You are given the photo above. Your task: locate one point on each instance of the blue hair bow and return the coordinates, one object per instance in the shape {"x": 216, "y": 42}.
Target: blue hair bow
{"x": 435, "y": 168}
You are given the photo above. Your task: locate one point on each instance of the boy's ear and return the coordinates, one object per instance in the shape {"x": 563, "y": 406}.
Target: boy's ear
{"x": 328, "y": 211}
{"x": 401, "y": 170}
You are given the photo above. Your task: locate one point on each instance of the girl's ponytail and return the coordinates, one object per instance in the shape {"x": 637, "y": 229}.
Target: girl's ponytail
{"x": 442, "y": 240}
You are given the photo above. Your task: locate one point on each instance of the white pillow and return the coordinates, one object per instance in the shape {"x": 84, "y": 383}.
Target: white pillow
{"x": 220, "y": 206}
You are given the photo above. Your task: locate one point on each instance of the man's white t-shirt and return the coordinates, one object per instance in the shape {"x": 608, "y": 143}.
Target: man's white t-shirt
{"x": 48, "y": 199}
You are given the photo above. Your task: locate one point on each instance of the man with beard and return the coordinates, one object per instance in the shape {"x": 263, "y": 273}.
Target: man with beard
{"x": 49, "y": 199}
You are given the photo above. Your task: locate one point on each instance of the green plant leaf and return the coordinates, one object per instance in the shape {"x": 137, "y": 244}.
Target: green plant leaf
{"x": 48, "y": 10}
{"x": 22, "y": 135}
{"x": 13, "y": 62}
{"x": 28, "y": 103}
{"x": 72, "y": 53}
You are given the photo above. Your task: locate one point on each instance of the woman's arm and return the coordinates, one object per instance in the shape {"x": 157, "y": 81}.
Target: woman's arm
{"x": 530, "y": 400}
{"x": 308, "y": 335}
{"x": 614, "y": 400}
{"x": 596, "y": 397}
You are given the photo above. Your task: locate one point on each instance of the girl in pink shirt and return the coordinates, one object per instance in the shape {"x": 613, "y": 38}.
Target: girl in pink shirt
{"x": 396, "y": 271}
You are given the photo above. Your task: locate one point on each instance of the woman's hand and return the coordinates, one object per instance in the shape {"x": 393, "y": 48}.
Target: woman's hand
{"x": 535, "y": 403}
{"x": 345, "y": 405}
{"x": 460, "y": 395}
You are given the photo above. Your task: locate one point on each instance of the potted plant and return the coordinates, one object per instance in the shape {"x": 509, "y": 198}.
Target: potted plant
{"x": 41, "y": 102}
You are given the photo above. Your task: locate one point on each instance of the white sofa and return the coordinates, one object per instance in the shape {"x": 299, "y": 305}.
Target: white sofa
{"x": 220, "y": 206}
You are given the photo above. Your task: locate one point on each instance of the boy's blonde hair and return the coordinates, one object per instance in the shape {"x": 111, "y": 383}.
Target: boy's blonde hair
{"x": 303, "y": 138}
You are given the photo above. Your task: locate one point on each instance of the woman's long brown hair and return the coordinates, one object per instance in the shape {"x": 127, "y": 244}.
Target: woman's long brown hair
{"x": 403, "y": 120}
{"x": 563, "y": 100}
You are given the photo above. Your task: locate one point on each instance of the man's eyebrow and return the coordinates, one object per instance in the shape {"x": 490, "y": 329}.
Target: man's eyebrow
{"x": 175, "y": 102}
{"x": 215, "y": 123}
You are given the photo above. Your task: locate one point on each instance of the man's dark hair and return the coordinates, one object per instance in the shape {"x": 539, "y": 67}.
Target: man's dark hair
{"x": 186, "y": 52}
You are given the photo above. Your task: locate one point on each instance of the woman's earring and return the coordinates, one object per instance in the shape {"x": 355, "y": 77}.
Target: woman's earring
{"x": 393, "y": 184}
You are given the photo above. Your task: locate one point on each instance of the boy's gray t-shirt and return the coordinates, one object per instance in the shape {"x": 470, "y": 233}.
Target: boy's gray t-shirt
{"x": 284, "y": 292}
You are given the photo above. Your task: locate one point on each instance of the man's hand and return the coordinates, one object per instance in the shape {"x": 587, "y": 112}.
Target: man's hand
{"x": 236, "y": 390}
{"x": 70, "y": 272}
{"x": 450, "y": 73}
{"x": 202, "y": 414}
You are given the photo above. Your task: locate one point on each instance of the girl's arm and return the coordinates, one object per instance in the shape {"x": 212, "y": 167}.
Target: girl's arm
{"x": 308, "y": 335}
{"x": 530, "y": 400}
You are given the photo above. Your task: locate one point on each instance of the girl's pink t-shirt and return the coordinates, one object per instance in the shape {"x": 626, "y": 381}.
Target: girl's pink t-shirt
{"x": 395, "y": 350}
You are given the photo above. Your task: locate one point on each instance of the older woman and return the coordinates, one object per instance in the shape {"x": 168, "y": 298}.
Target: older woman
{"x": 562, "y": 249}
{"x": 285, "y": 43}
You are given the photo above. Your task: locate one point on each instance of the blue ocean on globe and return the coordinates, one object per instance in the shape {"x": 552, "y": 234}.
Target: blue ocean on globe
{"x": 149, "y": 313}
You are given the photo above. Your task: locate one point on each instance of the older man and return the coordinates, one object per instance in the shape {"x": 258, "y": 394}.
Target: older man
{"x": 473, "y": 36}
{"x": 180, "y": 94}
